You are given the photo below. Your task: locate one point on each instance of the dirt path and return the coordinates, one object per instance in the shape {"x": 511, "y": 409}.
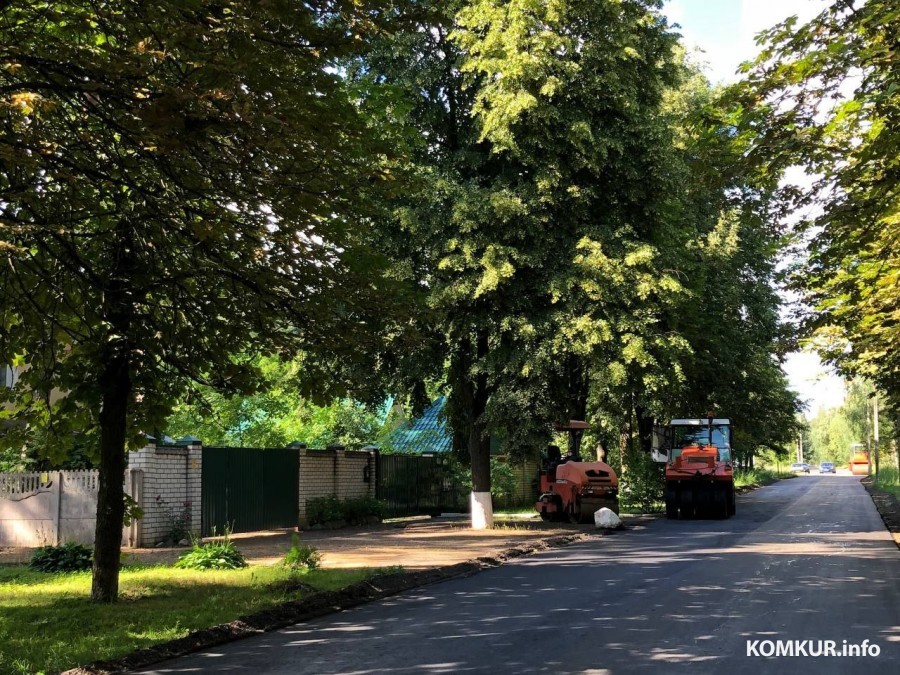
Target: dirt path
{"x": 416, "y": 544}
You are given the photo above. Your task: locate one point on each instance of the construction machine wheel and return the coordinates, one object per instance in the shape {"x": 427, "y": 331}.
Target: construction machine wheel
{"x": 671, "y": 501}
{"x": 548, "y": 516}
{"x": 703, "y": 495}
{"x": 686, "y": 506}
{"x": 720, "y": 501}
{"x": 732, "y": 500}
{"x": 574, "y": 512}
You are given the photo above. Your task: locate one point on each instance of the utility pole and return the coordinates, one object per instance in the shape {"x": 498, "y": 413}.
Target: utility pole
{"x": 800, "y": 447}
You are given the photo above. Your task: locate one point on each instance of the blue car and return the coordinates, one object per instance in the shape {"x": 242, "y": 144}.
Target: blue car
{"x": 827, "y": 467}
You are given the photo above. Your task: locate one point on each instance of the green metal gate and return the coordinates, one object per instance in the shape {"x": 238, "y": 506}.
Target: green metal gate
{"x": 249, "y": 489}
{"x": 418, "y": 485}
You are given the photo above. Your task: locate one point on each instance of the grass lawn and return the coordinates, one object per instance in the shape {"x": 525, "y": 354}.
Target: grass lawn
{"x": 47, "y": 623}
{"x": 888, "y": 479}
{"x": 753, "y": 476}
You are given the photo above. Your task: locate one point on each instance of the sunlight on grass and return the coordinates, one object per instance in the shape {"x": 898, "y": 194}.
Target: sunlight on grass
{"x": 48, "y": 624}
{"x": 888, "y": 479}
{"x": 745, "y": 477}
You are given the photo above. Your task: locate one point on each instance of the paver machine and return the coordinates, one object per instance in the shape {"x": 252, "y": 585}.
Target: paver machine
{"x": 573, "y": 489}
{"x": 699, "y": 472}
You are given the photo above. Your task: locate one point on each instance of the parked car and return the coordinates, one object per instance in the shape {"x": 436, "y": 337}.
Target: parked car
{"x": 827, "y": 467}
{"x": 800, "y": 467}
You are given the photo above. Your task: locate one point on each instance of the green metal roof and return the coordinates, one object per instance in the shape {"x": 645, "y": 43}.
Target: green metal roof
{"x": 427, "y": 433}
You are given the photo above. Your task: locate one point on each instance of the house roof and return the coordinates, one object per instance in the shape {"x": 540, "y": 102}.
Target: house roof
{"x": 427, "y": 433}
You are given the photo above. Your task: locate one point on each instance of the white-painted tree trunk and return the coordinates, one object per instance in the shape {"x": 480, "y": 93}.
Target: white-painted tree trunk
{"x": 482, "y": 511}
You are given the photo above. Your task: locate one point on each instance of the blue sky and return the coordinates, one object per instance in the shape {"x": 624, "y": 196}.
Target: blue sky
{"x": 725, "y": 31}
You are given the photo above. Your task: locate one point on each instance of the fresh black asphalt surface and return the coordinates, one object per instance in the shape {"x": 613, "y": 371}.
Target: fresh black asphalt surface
{"x": 803, "y": 559}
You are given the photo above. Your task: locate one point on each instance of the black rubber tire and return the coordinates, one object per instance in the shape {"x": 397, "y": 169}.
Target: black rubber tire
{"x": 703, "y": 499}
{"x": 547, "y": 516}
{"x": 574, "y": 512}
{"x": 686, "y": 505}
{"x": 732, "y": 500}
{"x": 671, "y": 501}
{"x": 720, "y": 501}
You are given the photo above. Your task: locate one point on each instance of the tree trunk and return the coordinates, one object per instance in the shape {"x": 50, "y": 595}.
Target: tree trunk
{"x": 115, "y": 382}
{"x": 577, "y": 389}
{"x": 479, "y": 444}
{"x": 645, "y": 429}
{"x": 115, "y": 391}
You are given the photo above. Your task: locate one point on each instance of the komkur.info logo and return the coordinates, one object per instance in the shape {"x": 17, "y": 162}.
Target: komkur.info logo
{"x": 811, "y": 648}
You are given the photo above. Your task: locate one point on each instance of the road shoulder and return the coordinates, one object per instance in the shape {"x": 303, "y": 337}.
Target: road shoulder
{"x": 888, "y": 507}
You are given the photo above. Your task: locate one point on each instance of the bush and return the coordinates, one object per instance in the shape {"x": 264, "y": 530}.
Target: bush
{"x": 179, "y": 520}
{"x": 301, "y": 558}
{"x": 214, "y": 555}
{"x": 70, "y": 557}
{"x": 643, "y": 484}
{"x": 323, "y": 510}
{"x": 353, "y": 511}
{"x": 503, "y": 479}
{"x": 357, "y": 511}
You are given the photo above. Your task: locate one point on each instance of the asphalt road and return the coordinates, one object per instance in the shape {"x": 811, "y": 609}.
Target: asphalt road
{"x": 804, "y": 559}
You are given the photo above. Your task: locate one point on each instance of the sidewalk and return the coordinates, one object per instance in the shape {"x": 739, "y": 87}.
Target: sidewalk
{"x": 417, "y": 544}
{"x": 413, "y": 544}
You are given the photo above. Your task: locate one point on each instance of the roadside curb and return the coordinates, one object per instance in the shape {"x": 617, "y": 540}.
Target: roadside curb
{"x": 319, "y": 604}
{"x": 888, "y": 508}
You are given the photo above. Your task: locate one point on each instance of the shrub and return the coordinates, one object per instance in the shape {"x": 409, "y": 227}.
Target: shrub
{"x": 179, "y": 520}
{"x": 70, "y": 557}
{"x": 301, "y": 558}
{"x": 503, "y": 479}
{"x": 357, "y": 511}
{"x": 323, "y": 510}
{"x": 213, "y": 555}
{"x": 643, "y": 483}
{"x": 354, "y": 511}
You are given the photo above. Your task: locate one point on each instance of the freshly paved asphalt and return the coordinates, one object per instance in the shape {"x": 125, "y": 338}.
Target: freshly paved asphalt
{"x": 807, "y": 558}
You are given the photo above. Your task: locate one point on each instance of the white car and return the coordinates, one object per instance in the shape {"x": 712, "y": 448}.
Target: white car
{"x": 800, "y": 467}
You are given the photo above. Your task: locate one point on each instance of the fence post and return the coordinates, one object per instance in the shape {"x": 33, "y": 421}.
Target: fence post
{"x": 302, "y": 489}
{"x": 193, "y": 482}
{"x": 338, "y": 470}
{"x": 136, "y": 490}
{"x": 57, "y": 518}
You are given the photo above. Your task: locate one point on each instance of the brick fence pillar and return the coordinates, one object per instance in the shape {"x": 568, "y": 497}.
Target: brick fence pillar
{"x": 193, "y": 484}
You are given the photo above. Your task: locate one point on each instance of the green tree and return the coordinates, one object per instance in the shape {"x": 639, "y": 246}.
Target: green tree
{"x": 824, "y": 97}
{"x": 182, "y": 182}
{"x": 274, "y": 415}
{"x": 538, "y": 210}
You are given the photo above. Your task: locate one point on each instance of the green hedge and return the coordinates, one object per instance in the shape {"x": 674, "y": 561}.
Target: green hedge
{"x": 353, "y": 511}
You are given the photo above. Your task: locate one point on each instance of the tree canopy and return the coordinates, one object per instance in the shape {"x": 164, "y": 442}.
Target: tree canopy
{"x": 824, "y": 97}
{"x": 539, "y": 207}
{"x": 184, "y": 185}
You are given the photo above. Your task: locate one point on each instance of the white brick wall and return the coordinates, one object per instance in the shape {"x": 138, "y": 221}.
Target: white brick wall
{"x": 171, "y": 483}
{"x": 334, "y": 471}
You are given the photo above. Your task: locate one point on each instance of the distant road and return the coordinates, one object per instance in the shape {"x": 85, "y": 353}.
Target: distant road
{"x": 804, "y": 559}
